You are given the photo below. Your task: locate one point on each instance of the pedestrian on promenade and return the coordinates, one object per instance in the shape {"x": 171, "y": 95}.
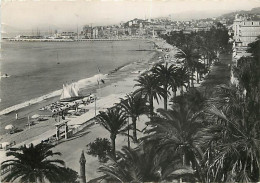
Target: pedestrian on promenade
{"x": 16, "y": 116}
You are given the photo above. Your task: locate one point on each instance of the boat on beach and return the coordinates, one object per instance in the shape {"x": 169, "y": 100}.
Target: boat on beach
{"x": 70, "y": 92}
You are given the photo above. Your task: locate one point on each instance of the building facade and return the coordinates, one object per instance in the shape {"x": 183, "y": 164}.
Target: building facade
{"x": 245, "y": 31}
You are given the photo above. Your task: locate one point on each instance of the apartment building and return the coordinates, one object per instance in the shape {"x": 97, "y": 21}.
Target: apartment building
{"x": 246, "y": 30}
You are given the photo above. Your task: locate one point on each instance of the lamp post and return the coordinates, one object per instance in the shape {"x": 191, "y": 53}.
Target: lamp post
{"x": 95, "y": 98}
{"x": 29, "y": 121}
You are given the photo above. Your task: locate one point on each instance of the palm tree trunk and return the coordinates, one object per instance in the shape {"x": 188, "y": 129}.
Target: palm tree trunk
{"x": 207, "y": 59}
{"x": 113, "y": 142}
{"x": 192, "y": 83}
{"x": 35, "y": 179}
{"x": 181, "y": 91}
{"x": 165, "y": 103}
{"x": 174, "y": 92}
{"x": 134, "y": 130}
{"x": 128, "y": 134}
{"x": 188, "y": 87}
{"x": 183, "y": 163}
{"x": 197, "y": 76}
{"x": 165, "y": 97}
{"x": 151, "y": 104}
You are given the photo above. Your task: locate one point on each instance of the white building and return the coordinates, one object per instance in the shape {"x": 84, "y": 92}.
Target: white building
{"x": 245, "y": 31}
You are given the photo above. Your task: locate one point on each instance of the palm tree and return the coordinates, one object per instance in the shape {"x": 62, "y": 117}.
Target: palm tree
{"x": 190, "y": 56}
{"x": 254, "y": 48}
{"x": 200, "y": 67}
{"x": 247, "y": 72}
{"x": 238, "y": 148}
{"x": 33, "y": 164}
{"x": 176, "y": 129}
{"x": 195, "y": 100}
{"x": 143, "y": 165}
{"x": 166, "y": 78}
{"x": 134, "y": 106}
{"x": 234, "y": 129}
{"x": 181, "y": 78}
{"x": 149, "y": 88}
{"x": 113, "y": 121}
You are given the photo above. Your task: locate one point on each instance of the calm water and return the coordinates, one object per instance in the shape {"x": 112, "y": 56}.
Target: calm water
{"x": 38, "y": 68}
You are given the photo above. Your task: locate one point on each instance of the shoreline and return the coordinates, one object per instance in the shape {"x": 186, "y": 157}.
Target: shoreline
{"x": 109, "y": 94}
{"x": 53, "y": 94}
{"x": 119, "y": 73}
{"x": 72, "y": 40}
{"x": 45, "y": 129}
{"x": 16, "y": 107}
{"x": 89, "y": 134}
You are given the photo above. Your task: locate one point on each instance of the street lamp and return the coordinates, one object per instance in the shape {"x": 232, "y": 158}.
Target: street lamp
{"x": 95, "y": 105}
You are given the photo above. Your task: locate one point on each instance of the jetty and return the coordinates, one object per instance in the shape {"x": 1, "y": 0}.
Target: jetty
{"x": 73, "y": 40}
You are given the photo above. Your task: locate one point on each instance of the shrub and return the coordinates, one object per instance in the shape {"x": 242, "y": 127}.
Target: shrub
{"x": 101, "y": 147}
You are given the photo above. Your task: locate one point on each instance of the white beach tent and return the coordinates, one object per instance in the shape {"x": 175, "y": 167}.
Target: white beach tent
{"x": 35, "y": 116}
{"x": 79, "y": 101}
{"x": 9, "y": 127}
{"x": 86, "y": 99}
{"x": 71, "y": 111}
{"x": 4, "y": 144}
{"x": 81, "y": 106}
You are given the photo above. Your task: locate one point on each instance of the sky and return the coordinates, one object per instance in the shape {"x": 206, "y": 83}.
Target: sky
{"x": 68, "y": 14}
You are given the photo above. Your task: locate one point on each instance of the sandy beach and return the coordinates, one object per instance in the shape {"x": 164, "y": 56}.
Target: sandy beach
{"x": 119, "y": 84}
{"x": 71, "y": 149}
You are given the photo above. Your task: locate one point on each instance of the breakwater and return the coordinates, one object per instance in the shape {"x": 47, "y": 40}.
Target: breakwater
{"x": 72, "y": 40}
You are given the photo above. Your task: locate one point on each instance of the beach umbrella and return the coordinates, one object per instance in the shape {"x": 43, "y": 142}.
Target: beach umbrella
{"x": 35, "y": 116}
{"x": 54, "y": 110}
{"x": 9, "y": 127}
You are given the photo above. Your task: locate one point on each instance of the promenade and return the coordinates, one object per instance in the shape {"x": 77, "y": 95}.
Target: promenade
{"x": 107, "y": 98}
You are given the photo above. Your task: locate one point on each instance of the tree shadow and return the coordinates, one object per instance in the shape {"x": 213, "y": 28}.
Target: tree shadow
{"x": 77, "y": 135}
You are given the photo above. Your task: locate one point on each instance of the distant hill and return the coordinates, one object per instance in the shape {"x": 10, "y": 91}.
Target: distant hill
{"x": 196, "y": 15}
{"x": 232, "y": 14}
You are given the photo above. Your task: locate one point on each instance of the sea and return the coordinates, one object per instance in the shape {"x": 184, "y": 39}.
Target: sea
{"x": 37, "y": 70}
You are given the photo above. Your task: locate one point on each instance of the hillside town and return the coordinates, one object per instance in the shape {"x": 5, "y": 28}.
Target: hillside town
{"x": 184, "y": 108}
{"x": 240, "y": 26}
{"x": 136, "y": 28}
